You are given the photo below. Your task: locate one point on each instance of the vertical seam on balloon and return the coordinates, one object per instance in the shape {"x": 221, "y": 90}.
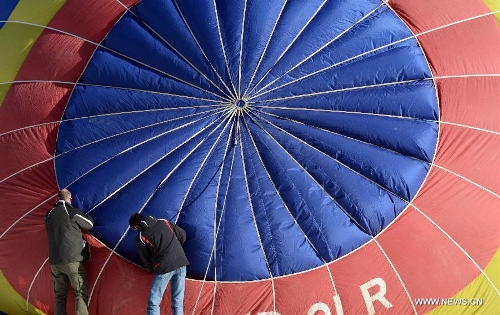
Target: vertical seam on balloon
{"x": 397, "y": 275}
{"x": 254, "y": 219}
{"x": 291, "y": 216}
{"x": 217, "y": 225}
{"x": 124, "y": 88}
{"x": 229, "y": 117}
{"x": 375, "y": 86}
{"x": 12, "y": 225}
{"x": 32, "y": 282}
{"x": 123, "y": 5}
{"x": 142, "y": 208}
{"x": 315, "y": 181}
{"x": 470, "y": 127}
{"x": 259, "y": 197}
{"x": 27, "y": 213}
{"x": 137, "y": 145}
{"x": 106, "y": 262}
{"x": 458, "y": 22}
{"x": 265, "y": 49}
{"x": 182, "y": 56}
{"x": 98, "y": 45}
{"x": 438, "y": 101}
{"x": 336, "y": 133}
{"x": 459, "y": 247}
{"x": 337, "y": 161}
{"x": 468, "y": 180}
{"x": 202, "y": 51}
{"x": 334, "y": 66}
{"x": 290, "y": 45}
{"x": 457, "y": 76}
{"x": 312, "y": 178}
{"x": 223, "y": 48}
{"x": 74, "y": 85}
{"x": 259, "y": 92}
{"x": 354, "y": 88}
{"x": 334, "y": 111}
{"x": 182, "y": 161}
{"x": 99, "y": 140}
{"x": 187, "y": 192}
{"x": 241, "y": 47}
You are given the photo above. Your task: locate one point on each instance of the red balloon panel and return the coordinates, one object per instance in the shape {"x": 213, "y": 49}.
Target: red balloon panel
{"x": 29, "y": 104}
{"x": 471, "y": 154}
{"x": 25, "y": 194}
{"x": 243, "y": 298}
{"x": 476, "y": 105}
{"x": 463, "y": 211}
{"x": 429, "y": 263}
{"x": 424, "y": 15}
{"x": 120, "y": 281}
{"x": 300, "y": 293}
{"x": 367, "y": 282}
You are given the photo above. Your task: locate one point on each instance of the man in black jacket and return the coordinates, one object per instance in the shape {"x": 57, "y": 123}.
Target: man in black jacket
{"x": 64, "y": 225}
{"x": 159, "y": 246}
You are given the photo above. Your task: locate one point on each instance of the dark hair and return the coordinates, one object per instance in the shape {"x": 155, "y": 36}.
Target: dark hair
{"x": 135, "y": 219}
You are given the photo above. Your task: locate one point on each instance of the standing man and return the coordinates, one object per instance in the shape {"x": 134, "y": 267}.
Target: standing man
{"x": 64, "y": 225}
{"x": 159, "y": 246}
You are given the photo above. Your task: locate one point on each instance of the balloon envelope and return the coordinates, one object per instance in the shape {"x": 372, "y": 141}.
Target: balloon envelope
{"x": 322, "y": 156}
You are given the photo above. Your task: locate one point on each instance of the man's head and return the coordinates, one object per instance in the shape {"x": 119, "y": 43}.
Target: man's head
{"x": 65, "y": 195}
{"x": 135, "y": 220}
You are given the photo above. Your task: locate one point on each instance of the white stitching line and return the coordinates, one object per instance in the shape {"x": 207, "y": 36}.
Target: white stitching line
{"x": 292, "y": 217}
{"x": 119, "y": 54}
{"x": 459, "y": 247}
{"x": 259, "y": 93}
{"x": 144, "y": 205}
{"x": 255, "y": 220}
{"x": 217, "y": 225}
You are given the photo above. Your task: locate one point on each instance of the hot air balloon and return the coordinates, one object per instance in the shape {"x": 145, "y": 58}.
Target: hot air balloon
{"x": 324, "y": 157}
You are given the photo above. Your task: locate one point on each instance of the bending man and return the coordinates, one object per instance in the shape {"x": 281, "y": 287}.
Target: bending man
{"x": 159, "y": 246}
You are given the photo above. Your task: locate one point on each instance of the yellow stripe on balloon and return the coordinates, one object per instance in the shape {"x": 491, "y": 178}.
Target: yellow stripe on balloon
{"x": 16, "y": 39}
{"x": 494, "y": 6}
{"x": 478, "y": 298}
{"x": 16, "y": 304}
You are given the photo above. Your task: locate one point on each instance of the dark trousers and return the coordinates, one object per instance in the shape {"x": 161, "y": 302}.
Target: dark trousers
{"x": 75, "y": 273}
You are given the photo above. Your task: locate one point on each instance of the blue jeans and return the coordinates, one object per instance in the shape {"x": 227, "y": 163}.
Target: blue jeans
{"x": 158, "y": 286}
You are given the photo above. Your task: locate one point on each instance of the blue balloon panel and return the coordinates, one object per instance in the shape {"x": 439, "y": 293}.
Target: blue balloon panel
{"x": 7, "y": 7}
{"x": 280, "y": 135}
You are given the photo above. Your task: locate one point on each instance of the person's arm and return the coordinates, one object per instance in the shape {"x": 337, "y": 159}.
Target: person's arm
{"x": 144, "y": 254}
{"x": 84, "y": 221}
{"x": 47, "y": 214}
{"x": 180, "y": 233}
